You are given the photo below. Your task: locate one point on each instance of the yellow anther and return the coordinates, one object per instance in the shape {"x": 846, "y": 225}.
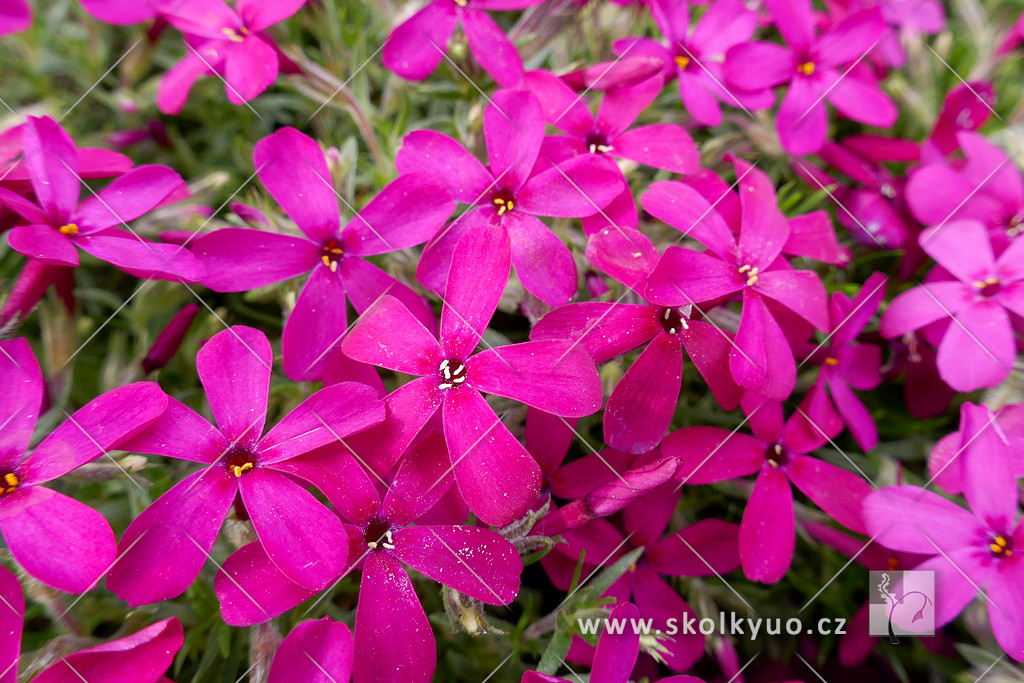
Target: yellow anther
{"x": 988, "y": 281}
{"x": 744, "y": 269}
{"x": 504, "y": 205}
{"x": 831, "y": 361}
{"x": 751, "y": 273}
{"x": 326, "y": 259}
{"x": 239, "y": 469}
{"x": 233, "y": 35}
{"x": 892, "y": 563}
{"x": 12, "y": 482}
{"x": 1000, "y": 546}
{"x": 682, "y": 61}
{"x": 807, "y": 68}
{"x": 70, "y": 229}
{"x": 461, "y": 3}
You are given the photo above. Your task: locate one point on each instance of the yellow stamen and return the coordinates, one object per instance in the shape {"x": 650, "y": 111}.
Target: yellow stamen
{"x": 807, "y": 68}
{"x": 326, "y": 259}
{"x": 831, "y": 361}
{"x": 892, "y": 563}
{"x": 239, "y": 469}
{"x": 682, "y": 62}
{"x": 999, "y": 546}
{"x": 12, "y": 483}
{"x": 461, "y": 3}
{"x": 751, "y": 272}
{"x": 70, "y": 229}
{"x": 233, "y": 35}
{"x": 988, "y": 281}
{"x": 504, "y": 205}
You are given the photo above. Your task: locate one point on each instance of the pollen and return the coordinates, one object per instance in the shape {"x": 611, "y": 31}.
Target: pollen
{"x": 235, "y": 36}
{"x": 682, "y": 61}
{"x": 239, "y": 469}
{"x": 806, "y": 68}
{"x": 1000, "y": 547}
{"x": 504, "y": 205}
{"x": 12, "y": 482}
{"x": 831, "y": 361}
{"x": 461, "y": 3}
{"x": 892, "y": 563}
{"x": 751, "y": 273}
{"x": 453, "y": 374}
{"x": 330, "y": 255}
{"x": 70, "y": 229}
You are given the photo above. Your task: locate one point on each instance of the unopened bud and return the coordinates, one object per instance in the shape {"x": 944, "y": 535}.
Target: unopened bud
{"x": 169, "y": 339}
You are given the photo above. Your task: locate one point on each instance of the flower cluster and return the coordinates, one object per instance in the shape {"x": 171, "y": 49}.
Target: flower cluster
{"x": 578, "y": 257}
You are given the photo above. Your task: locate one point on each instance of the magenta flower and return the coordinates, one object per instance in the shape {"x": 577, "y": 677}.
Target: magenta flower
{"x": 945, "y": 464}
{"x": 966, "y": 108}
{"x": 557, "y": 377}
{"x": 407, "y": 212}
{"x": 314, "y": 652}
{"x": 976, "y": 346}
{"x": 778, "y": 454}
{"x": 56, "y": 539}
{"x": 641, "y": 406}
{"x": 846, "y": 365}
{"x": 761, "y": 359}
{"x": 416, "y": 47}
{"x": 509, "y": 193}
{"x": 142, "y": 657}
{"x": 644, "y": 521}
{"x": 970, "y": 551}
{"x": 15, "y": 16}
{"x": 616, "y": 654}
{"x": 393, "y": 639}
{"x": 56, "y": 223}
{"x": 694, "y": 56}
{"x": 229, "y": 42}
{"x": 813, "y": 68}
{"x": 164, "y": 548}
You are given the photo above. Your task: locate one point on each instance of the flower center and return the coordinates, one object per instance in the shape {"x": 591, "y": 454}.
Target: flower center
{"x": 452, "y": 372}
{"x": 832, "y": 361}
{"x": 892, "y": 563}
{"x": 682, "y": 61}
{"x": 1015, "y": 225}
{"x": 240, "y": 462}
{"x": 461, "y": 3}
{"x": 597, "y": 143}
{"x": 504, "y": 201}
{"x": 674, "y": 319}
{"x": 751, "y": 274}
{"x": 12, "y": 482}
{"x": 330, "y": 254}
{"x": 235, "y": 36}
{"x": 988, "y": 287}
{"x": 70, "y": 229}
{"x": 806, "y": 68}
{"x": 1000, "y": 546}
{"x": 378, "y": 535}
{"x": 776, "y": 455}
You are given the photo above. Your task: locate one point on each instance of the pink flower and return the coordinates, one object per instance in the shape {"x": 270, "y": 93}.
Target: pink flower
{"x": 142, "y": 657}
{"x": 393, "y": 639}
{"x": 694, "y": 56}
{"x": 231, "y": 43}
{"x": 970, "y": 312}
{"x": 778, "y": 453}
{"x": 314, "y": 652}
{"x": 510, "y": 193}
{"x": 555, "y": 376}
{"x": 56, "y": 223}
{"x": 123, "y": 12}
{"x": 417, "y": 46}
{"x": 813, "y": 68}
{"x": 945, "y": 464}
{"x": 407, "y": 212}
{"x": 164, "y": 548}
{"x": 761, "y": 359}
{"x": 56, "y": 539}
{"x": 971, "y": 551}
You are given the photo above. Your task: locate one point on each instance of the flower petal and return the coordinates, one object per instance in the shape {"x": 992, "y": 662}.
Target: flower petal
{"x": 408, "y": 211}
{"x": 240, "y": 259}
{"x": 387, "y": 335}
{"x": 149, "y": 260}
{"x": 21, "y": 399}
{"x": 422, "y": 478}
{"x": 252, "y": 590}
{"x": 761, "y": 359}
{"x": 492, "y": 48}
{"x": 179, "y": 432}
{"x": 314, "y": 652}
{"x": 689, "y": 552}
{"x": 135, "y": 193}
{"x": 43, "y": 243}
{"x": 51, "y": 159}
{"x": 978, "y": 349}
{"x": 304, "y": 539}
{"x": 801, "y": 291}
{"x": 576, "y": 187}
{"x": 604, "y": 328}
{"x": 543, "y": 263}
{"x": 641, "y": 406}
{"x": 416, "y": 46}
{"x": 430, "y": 151}
{"x": 63, "y": 543}
{"x": 905, "y": 518}
{"x": 662, "y": 145}
{"x": 836, "y": 491}
{"x": 767, "y": 534}
{"x": 684, "y": 277}
{"x": 316, "y": 325}
{"x": 234, "y": 368}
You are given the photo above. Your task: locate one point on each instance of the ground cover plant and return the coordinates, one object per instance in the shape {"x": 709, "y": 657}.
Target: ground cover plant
{"x": 511, "y": 340}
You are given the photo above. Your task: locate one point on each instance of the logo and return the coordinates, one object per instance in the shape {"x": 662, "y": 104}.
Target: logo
{"x": 901, "y": 604}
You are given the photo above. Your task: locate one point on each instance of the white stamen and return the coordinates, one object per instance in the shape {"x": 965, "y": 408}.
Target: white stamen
{"x": 389, "y": 544}
{"x": 604, "y": 148}
{"x": 445, "y": 386}
{"x": 593, "y": 147}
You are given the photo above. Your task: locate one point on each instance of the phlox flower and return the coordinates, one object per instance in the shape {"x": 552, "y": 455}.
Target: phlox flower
{"x": 58, "y": 540}
{"x": 555, "y": 376}
{"x": 165, "y": 547}
{"x": 393, "y": 638}
{"x": 813, "y": 66}
{"x": 969, "y": 312}
{"x": 52, "y": 226}
{"x": 407, "y": 212}
{"x": 778, "y": 454}
{"x": 417, "y": 46}
{"x": 847, "y": 365}
{"x": 970, "y": 550}
{"x": 229, "y": 42}
{"x": 511, "y": 192}
{"x": 761, "y": 359}
{"x": 945, "y": 464}
{"x": 142, "y": 657}
{"x": 641, "y": 405}
{"x": 693, "y": 55}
